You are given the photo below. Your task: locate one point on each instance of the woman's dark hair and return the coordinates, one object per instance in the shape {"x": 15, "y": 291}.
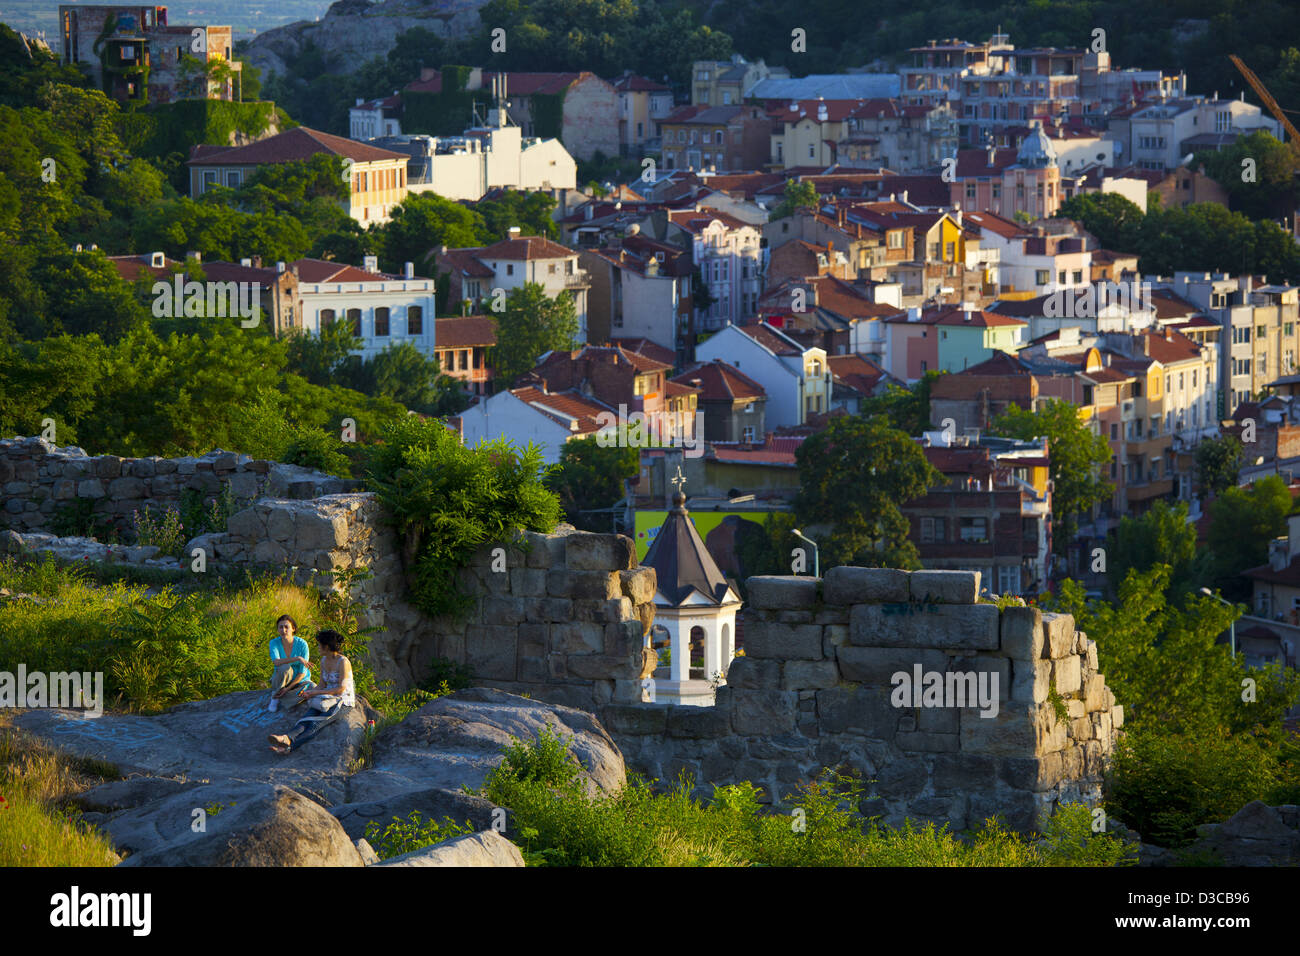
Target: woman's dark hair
{"x": 331, "y": 639}
{"x": 286, "y": 617}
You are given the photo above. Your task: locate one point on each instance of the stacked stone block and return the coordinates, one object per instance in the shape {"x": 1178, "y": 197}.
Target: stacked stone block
{"x": 814, "y": 690}
{"x": 36, "y": 477}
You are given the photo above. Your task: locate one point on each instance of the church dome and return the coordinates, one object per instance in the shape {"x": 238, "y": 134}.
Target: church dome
{"x": 1036, "y": 151}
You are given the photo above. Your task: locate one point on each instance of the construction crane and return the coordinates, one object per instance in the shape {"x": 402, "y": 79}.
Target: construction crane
{"x": 1293, "y": 136}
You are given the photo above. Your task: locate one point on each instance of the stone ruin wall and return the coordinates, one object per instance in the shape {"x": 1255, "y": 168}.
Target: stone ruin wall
{"x": 564, "y": 618}
{"x": 813, "y": 690}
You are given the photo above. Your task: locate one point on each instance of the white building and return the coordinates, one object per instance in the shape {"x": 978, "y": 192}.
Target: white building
{"x": 523, "y": 415}
{"x": 696, "y": 606}
{"x": 383, "y": 309}
{"x": 477, "y": 272}
{"x": 1160, "y": 135}
{"x": 797, "y": 380}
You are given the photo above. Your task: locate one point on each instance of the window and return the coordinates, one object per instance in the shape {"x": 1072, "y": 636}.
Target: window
{"x": 232, "y": 178}
{"x": 933, "y": 530}
{"x": 812, "y": 151}
{"x": 1180, "y": 381}
{"x": 1042, "y": 277}
{"x": 1114, "y": 431}
{"x": 415, "y": 320}
{"x": 708, "y": 137}
{"x": 970, "y": 192}
{"x": 1078, "y": 276}
{"x": 1260, "y": 331}
{"x": 381, "y": 321}
{"x": 1288, "y": 328}
{"x": 896, "y": 239}
{"x": 950, "y": 251}
{"x": 974, "y": 530}
{"x": 1008, "y": 580}
{"x": 1087, "y": 394}
{"x": 1194, "y": 371}
{"x": 354, "y": 321}
{"x": 1060, "y": 277}
{"x": 326, "y": 318}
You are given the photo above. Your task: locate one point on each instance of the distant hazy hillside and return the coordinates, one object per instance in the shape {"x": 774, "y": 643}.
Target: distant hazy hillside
{"x": 246, "y": 16}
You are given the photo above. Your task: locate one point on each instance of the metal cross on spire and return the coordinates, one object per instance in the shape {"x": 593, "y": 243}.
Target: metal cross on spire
{"x": 680, "y": 481}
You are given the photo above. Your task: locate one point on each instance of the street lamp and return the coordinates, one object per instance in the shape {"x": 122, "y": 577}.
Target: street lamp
{"x": 817, "y": 566}
{"x": 1232, "y": 628}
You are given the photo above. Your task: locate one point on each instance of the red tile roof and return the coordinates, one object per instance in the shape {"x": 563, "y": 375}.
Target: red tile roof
{"x": 462, "y": 332}
{"x": 765, "y": 335}
{"x": 858, "y": 373}
{"x": 996, "y": 224}
{"x": 299, "y": 143}
{"x": 525, "y": 247}
{"x": 836, "y": 110}
{"x": 635, "y": 83}
{"x": 319, "y": 270}
{"x": 466, "y": 262}
{"x": 585, "y": 410}
{"x": 130, "y": 267}
{"x": 975, "y": 162}
{"x": 653, "y": 350}
{"x": 720, "y": 382}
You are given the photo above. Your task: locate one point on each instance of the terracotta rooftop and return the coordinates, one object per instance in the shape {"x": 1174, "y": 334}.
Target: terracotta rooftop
{"x": 299, "y": 143}
{"x": 664, "y": 356}
{"x": 462, "y": 332}
{"x": 720, "y": 382}
{"x": 525, "y": 247}
{"x": 585, "y": 410}
{"x": 767, "y": 336}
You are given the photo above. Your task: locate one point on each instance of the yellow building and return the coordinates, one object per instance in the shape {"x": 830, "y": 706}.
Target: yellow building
{"x": 376, "y": 177}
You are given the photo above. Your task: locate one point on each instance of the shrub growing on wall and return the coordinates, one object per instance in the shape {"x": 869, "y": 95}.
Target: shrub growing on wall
{"x": 446, "y": 500}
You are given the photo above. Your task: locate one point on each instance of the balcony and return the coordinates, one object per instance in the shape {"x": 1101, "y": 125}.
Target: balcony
{"x": 1146, "y": 490}
{"x": 577, "y": 281}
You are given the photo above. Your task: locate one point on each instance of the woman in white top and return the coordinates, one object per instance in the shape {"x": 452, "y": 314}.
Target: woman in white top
{"x": 334, "y": 695}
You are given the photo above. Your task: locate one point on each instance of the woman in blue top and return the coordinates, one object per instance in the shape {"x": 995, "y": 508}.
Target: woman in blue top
{"x": 291, "y": 658}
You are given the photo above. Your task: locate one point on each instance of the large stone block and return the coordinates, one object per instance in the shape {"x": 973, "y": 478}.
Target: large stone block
{"x": 584, "y": 585}
{"x": 545, "y": 550}
{"x": 968, "y": 627}
{"x": 1094, "y": 694}
{"x": 764, "y": 711}
{"x": 528, "y": 582}
{"x": 783, "y": 641}
{"x": 957, "y": 771}
{"x": 927, "y": 743}
{"x": 503, "y": 610}
{"x": 1031, "y": 681}
{"x": 602, "y": 667}
{"x": 491, "y": 651}
{"x": 809, "y": 675}
{"x": 753, "y": 672}
{"x": 635, "y": 719}
{"x": 90, "y": 488}
{"x": 878, "y": 665}
{"x": 639, "y": 585}
{"x": 280, "y": 524}
{"x": 1058, "y": 630}
{"x": 864, "y": 710}
{"x": 623, "y": 638}
{"x": 585, "y": 551}
{"x": 323, "y": 532}
{"x": 126, "y": 488}
{"x": 1019, "y": 730}
{"x": 578, "y": 637}
{"x": 698, "y": 722}
{"x": 945, "y": 587}
{"x": 247, "y": 524}
{"x": 1022, "y": 633}
{"x": 1067, "y": 675}
{"x": 849, "y": 585}
{"x": 779, "y": 593}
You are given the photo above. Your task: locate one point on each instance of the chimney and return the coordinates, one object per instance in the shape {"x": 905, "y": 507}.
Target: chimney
{"x": 279, "y": 267}
{"x": 257, "y": 262}
{"x": 408, "y": 270}
{"x": 990, "y": 152}
{"x": 158, "y": 260}
{"x": 247, "y": 263}
{"x": 196, "y": 256}
{"x": 513, "y": 232}
{"x": 370, "y": 263}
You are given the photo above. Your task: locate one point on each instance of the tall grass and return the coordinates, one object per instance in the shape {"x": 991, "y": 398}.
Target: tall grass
{"x": 37, "y": 827}
{"x": 557, "y": 823}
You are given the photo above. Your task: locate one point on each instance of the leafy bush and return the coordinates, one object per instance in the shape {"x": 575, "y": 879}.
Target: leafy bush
{"x": 164, "y": 530}
{"x": 558, "y": 823}
{"x": 446, "y": 500}
{"x": 413, "y": 833}
{"x": 1164, "y": 786}
{"x": 76, "y": 517}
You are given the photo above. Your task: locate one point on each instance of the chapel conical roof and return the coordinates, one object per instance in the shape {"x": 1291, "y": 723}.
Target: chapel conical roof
{"x": 687, "y": 572}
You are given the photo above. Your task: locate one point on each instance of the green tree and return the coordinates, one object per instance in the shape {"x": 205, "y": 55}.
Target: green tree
{"x": 1077, "y": 456}
{"x": 799, "y": 194}
{"x": 1271, "y": 192}
{"x": 531, "y": 325}
{"x": 1162, "y": 535}
{"x": 422, "y": 223}
{"x": 1114, "y": 220}
{"x": 907, "y": 409}
{"x": 1218, "y": 464}
{"x": 530, "y": 211}
{"x": 321, "y": 358}
{"x": 853, "y": 476}
{"x": 1242, "y": 523}
{"x": 589, "y": 477}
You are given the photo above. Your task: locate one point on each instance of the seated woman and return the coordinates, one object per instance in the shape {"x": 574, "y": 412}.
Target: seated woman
{"x": 291, "y": 658}
{"x": 335, "y": 695}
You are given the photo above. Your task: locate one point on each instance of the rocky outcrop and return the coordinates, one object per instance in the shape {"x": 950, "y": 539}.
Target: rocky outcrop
{"x": 487, "y": 848}
{"x": 249, "y": 824}
{"x": 355, "y": 31}
{"x": 204, "y": 789}
{"x": 1256, "y": 835}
